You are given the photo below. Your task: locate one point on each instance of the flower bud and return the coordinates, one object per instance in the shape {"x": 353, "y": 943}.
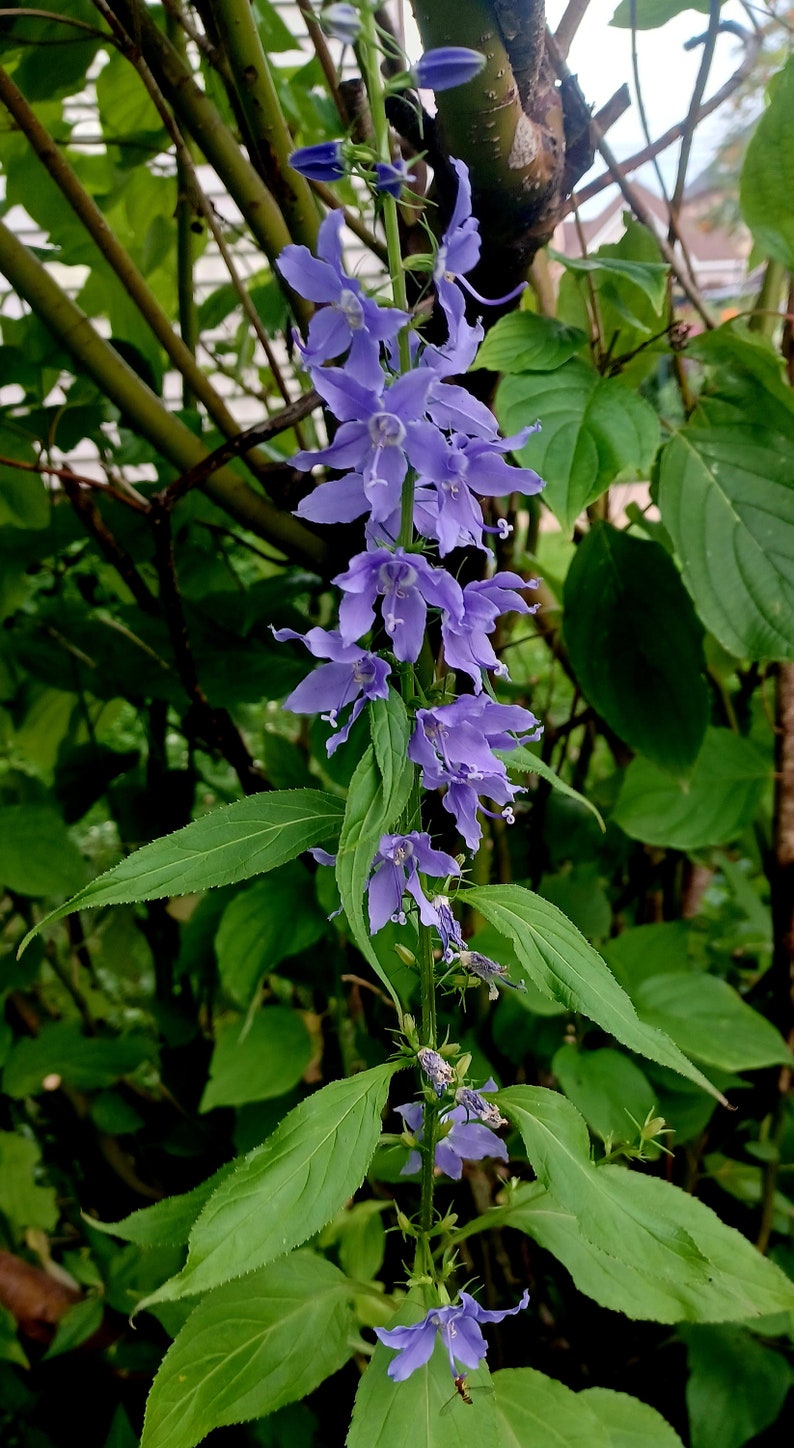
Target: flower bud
{"x": 341, "y": 22}
{"x": 406, "y": 956}
{"x": 448, "y": 66}
{"x": 322, "y": 162}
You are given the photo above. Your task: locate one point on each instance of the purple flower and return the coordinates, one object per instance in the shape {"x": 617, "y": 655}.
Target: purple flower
{"x": 396, "y": 869}
{"x": 322, "y": 162}
{"x": 447, "y": 927}
{"x": 407, "y": 584}
{"x": 459, "y": 466}
{"x": 476, "y": 1105}
{"x": 459, "y": 1327}
{"x": 348, "y": 318}
{"x": 353, "y": 676}
{"x": 370, "y": 441}
{"x": 341, "y": 22}
{"x": 437, "y": 1070}
{"x": 454, "y": 746}
{"x": 466, "y": 645}
{"x": 391, "y": 177}
{"x": 459, "y": 251}
{"x": 447, "y": 66}
{"x": 461, "y": 1140}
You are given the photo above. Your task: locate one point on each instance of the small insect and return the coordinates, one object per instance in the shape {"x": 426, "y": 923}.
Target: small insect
{"x": 462, "y": 1390}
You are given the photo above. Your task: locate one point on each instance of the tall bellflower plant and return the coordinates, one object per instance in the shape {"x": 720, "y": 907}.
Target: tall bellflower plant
{"x": 413, "y": 455}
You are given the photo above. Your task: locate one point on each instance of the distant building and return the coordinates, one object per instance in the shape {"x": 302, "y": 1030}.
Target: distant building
{"x": 718, "y": 257}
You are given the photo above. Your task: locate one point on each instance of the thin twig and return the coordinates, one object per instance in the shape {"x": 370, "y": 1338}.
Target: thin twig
{"x": 690, "y": 124}
{"x": 108, "y": 544}
{"x": 260, "y": 432}
{"x": 565, "y": 33}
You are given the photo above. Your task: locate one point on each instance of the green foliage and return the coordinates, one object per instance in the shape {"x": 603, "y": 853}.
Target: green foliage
{"x": 249, "y": 1348}
{"x": 768, "y": 174}
{"x": 594, "y": 431}
{"x": 198, "y": 1109}
{"x": 644, "y": 629}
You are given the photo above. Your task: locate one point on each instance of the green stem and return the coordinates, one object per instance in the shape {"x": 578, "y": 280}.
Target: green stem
{"x": 261, "y": 107}
{"x": 203, "y": 121}
{"x": 185, "y": 238}
{"x": 176, "y": 348}
{"x": 144, "y": 412}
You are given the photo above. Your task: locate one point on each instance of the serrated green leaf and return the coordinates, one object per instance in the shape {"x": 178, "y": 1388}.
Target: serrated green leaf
{"x": 538, "y": 1412}
{"x": 76, "y": 1327}
{"x": 23, "y": 1202}
{"x": 710, "y": 1021}
{"x": 712, "y": 807}
{"x": 266, "y": 1061}
{"x": 284, "y": 1191}
{"x": 84, "y": 1062}
{"x": 631, "y": 1423}
{"x": 636, "y": 1243}
{"x": 593, "y": 429}
{"x": 736, "y": 1386}
{"x": 527, "y": 342}
{"x": 249, "y": 1348}
{"x": 230, "y": 844}
{"x": 561, "y": 963}
{"x": 608, "y": 1088}
{"x": 378, "y": 794}
{"x": 37, "y": 857}
{"x": 726, "y": 496}
{"x": 767, "y": 181}
{"x": 167, "y": 1223}
{"x": 637, "y": 652}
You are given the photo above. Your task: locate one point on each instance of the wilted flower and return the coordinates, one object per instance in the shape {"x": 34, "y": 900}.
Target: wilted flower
{"x": 486, "y": 969}
{"x": 447, "y": 926}
{"x": 437, "y": 1070}
{"x": 321, "y": 162}
{"x": 461, "y": 1140}
{"x": 476, "y": 1105}
{"x": 459, "y": 1327}
{"x": 395, "y": 869}
{"x": 447, "y": 66}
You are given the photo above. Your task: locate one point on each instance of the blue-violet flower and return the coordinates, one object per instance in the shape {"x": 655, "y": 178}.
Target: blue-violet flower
{"x": 461, "y": 1138}
{"x": 341, "y": 22}
{"x": 395, "y": 869}
{"x": 353, "y": 676}
{"x": 459, "y": 1329}
{"x": 407, "y": 583}
{"x": 447, "y": 66}
{"x": 321, "y": 162}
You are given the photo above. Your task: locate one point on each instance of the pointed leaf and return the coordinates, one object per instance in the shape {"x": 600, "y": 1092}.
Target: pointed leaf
{"x": 527, "y": 342}
{"x": 637, "y": 652}
{"x": 711, "y": 807}
{"x": 767, "y": 183}
{"x": 636, "y": 1243}
{"x": 593, "y": 429}
{"x": 284, "y": 1191}
{"x": 726, "y": 496}
{"x": 523, "y": 761}
{"x": 561, "y": 963}
{"x": 378, "y": 794}
{"x": 242, "y": 839}
{"x": 249, "y": 1348}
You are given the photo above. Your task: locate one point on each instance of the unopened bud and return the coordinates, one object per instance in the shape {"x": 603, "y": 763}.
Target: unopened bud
{"x": 406, "y": 956}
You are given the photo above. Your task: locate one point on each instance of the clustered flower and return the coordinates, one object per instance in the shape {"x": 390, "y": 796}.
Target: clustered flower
{"x": 409, "y": 434}
{"x": 389, "y": 422}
